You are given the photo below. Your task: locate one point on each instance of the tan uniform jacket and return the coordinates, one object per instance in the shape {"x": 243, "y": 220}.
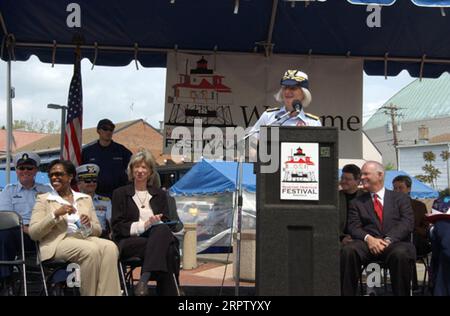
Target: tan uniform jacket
{"x": 48, "y": 231}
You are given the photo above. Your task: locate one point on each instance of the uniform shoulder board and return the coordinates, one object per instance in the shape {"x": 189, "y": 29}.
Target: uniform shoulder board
{"x": 312, "y": 116}
{"x": 273, "y": 109}
{"x": 104, "y": 198}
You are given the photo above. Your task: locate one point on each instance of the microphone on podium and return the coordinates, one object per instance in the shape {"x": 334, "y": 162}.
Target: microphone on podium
{"x": 297, "y": 105}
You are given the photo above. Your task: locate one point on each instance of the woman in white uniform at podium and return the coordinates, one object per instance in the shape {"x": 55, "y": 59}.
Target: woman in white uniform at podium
{"x": 294, "y": 94}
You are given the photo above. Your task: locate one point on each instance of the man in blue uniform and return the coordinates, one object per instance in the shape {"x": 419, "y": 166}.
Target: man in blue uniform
{"x": 19, "y": 197}
{"x": 111, "y": 157}
{"x": 87, "y": 183}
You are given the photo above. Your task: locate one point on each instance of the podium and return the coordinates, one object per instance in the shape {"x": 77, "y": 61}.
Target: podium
{"x": 297, "y": 222}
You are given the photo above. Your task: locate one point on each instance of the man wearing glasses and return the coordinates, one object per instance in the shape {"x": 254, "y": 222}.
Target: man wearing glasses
{"x": 87, "y": 183}
{"x": 19, "y": 197}
{"x": 349, "y": 183}
{"x": 111, "y": 157}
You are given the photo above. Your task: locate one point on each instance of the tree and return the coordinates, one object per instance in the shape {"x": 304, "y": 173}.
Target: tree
{"x": 40, "y": 126}
{"x": 431, "y": 172}
{"x": 445, "y": 155}
{"x": 389, "y": 166}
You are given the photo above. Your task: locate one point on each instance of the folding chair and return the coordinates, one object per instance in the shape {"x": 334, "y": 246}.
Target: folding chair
{"x": 127, "y": 266}
{"x": 425, "y": 260}
{"x": 12, "y": 220}
{"x": 53, "y": 266}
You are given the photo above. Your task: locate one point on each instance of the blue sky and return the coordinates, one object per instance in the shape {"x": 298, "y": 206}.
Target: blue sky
{"x": 124, "y": 93}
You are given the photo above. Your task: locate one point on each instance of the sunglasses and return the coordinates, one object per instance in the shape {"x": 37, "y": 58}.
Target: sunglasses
{"x": 56, "y": 174}
{"x": 28, "y": 168}
{"x": 89, "y": 181}
{"x": 107, "y": 128}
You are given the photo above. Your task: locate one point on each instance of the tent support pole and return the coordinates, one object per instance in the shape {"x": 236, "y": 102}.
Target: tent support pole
{"x": 268, "y": 44}
{"x": 448, "y": 168}
{"x": 239, "y": 226}
{"x": 2, "y": 23}
{"x": 8, "y": 121}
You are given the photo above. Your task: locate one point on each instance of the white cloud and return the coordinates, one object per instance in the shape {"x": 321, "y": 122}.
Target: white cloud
{"x": 107, "y": 91}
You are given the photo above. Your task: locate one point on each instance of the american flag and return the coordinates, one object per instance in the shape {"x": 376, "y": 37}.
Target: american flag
{"x": 72, "y": 137}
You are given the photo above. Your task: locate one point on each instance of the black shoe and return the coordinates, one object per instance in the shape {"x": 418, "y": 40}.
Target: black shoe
{"x": 141, "y": 289}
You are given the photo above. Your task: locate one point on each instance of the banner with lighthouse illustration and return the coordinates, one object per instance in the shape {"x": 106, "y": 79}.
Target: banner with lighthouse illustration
{"x": 299, "y": 176}
{"x": 229, "y": 91}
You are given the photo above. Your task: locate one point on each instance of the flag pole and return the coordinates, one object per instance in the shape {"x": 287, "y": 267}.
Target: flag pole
{"x": 74, "y": 121}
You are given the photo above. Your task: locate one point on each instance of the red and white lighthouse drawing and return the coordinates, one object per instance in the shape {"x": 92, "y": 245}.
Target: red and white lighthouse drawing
{"x": 299, "y": 176}
{"x": 200, "y": 94}
{"x": 299, "y": 168}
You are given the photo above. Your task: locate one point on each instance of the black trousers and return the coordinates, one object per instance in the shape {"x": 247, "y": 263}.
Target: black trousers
{"x": 159, "y": 253}
{"x": 398, "y": 257}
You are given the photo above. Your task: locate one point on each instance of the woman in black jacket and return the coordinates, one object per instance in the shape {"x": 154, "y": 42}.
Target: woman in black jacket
{"x": 139, "y": 211}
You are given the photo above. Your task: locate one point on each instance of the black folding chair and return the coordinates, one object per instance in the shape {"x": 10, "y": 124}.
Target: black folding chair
{"x": 127, "y": 266}
{"x": 425, "y": 260}
{"x": 52, "y": 267}
{"x": 12, "y": 220}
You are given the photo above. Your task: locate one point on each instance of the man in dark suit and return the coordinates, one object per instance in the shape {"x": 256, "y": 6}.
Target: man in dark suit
{"x": 350, "y": 179}
{"x": 403, "y": 184}
{"x": 380, "y": 223}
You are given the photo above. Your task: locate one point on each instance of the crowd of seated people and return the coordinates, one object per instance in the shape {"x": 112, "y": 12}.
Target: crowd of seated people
{"x": 391, "y": 228}
{"x": 73, "y": 224}
{"x": 80, "y": 226}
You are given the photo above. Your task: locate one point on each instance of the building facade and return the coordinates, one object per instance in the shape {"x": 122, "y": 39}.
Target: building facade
{"x": 411, "y": 161}
{"x": 423, "y": 102}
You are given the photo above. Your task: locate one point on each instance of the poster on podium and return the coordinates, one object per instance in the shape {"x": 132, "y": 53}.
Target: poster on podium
{"x": 299, "y": 176}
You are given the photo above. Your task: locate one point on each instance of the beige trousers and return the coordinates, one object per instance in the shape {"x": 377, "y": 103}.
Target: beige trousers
{"x": 98, "y": 259}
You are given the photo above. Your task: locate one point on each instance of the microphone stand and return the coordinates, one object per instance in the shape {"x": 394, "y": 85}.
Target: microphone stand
{"x": 240, "y": 162}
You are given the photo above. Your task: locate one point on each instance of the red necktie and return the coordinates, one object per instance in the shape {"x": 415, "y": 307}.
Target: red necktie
{"x": 378, "y": 207}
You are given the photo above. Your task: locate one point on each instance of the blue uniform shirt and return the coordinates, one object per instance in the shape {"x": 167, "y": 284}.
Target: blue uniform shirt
{"x": 102, "y": 209}
{"x": 16, "y": 198}
{"x": 270, "y": 117}
{"x": 113, "y": 161}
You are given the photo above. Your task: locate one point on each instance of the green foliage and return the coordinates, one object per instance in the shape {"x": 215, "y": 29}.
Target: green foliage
{"x": 444, "y": 193}
{"x": 445, "y": 154}
{"x": 431, "y": 172}
{"x": 39, "y": 126}
{"x": 429, "y": 156}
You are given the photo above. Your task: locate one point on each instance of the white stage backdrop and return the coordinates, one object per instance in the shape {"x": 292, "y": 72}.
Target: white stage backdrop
{"x": 234, "y": 90}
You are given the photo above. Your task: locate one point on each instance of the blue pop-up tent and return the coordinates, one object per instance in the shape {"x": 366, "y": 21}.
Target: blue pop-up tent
{"x": 210, "y": 177}
{"x": 419, "y": 190}
{"x": 206, "y": 196}
{"x": 402, "y": 35}
{"x": 408, "y": 35}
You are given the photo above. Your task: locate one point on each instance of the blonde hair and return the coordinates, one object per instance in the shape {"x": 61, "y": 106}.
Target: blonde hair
{"x": 146, "y": 157}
